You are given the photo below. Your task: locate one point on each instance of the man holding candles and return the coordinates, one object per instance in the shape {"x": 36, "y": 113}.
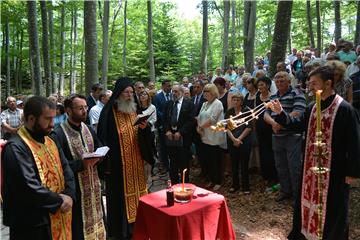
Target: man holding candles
{"x": 331, "y": 160}
{"x": 178, "y": 125}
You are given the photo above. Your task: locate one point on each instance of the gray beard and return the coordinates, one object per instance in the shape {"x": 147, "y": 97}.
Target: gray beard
{"x": 126, "y": 106}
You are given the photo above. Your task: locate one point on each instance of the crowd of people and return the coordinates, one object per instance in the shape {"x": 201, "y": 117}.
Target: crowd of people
{"x": 52, "y": 188}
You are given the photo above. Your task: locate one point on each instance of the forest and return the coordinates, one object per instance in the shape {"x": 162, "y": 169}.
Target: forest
{"x": 66, "y": 46}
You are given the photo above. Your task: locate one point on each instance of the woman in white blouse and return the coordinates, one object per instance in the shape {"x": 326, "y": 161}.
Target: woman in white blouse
{"x": 211, "y": 112}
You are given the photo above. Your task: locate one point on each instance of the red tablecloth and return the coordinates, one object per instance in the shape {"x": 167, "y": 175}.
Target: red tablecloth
{"x": 205, "y": 217}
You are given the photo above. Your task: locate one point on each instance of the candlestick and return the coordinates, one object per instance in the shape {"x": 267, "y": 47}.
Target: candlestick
{"x": 318, "y": 111}
{"x": 183, "y": 180}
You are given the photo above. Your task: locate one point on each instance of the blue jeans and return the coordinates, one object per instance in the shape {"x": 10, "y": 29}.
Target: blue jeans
{"x": 288, "y": 163}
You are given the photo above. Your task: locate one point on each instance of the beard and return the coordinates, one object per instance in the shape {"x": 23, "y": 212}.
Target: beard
{"x": 126, "y": 106}
{"x": 38, "y": 129}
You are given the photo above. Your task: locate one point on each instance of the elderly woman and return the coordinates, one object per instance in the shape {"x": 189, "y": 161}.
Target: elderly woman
{"x": 211, "y": 112}
{"x": 239, "y": 147}
{"x": 342, "y": 85}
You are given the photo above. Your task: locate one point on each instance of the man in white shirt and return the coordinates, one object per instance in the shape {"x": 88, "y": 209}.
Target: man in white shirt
{"x": 11, "y": 118}
{"x": 95, "y": 111}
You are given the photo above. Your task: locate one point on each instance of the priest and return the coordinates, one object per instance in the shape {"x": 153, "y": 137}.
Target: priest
{"x": 124, "y": 165}
{"x": 340, "y": 128}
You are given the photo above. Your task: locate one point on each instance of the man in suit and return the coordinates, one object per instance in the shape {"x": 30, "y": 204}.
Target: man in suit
{"x": 138, "y": 87}
{"x": 178, "y": 126}
{"x": 92, "y": 99}
{"x": 159, "y": 102}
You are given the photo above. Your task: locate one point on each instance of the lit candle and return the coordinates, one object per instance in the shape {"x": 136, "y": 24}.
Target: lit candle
{"x": 318, "y": 110}
{"x": 183, "y": 180}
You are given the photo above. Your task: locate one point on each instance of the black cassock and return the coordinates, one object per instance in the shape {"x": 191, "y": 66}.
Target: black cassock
{"x": 345, "y": 161}
{"x": 26, "y": 202}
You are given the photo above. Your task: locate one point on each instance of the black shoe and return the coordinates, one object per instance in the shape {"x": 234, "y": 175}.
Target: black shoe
{"x": 282, "y": 197}
{"x": 233, "y": 189}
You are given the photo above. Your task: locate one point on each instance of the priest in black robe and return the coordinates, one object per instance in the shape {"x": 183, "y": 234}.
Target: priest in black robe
{"x": 124, "y": 165}
{"x": 38, "y": 184}
{"x": 340, "y": 131}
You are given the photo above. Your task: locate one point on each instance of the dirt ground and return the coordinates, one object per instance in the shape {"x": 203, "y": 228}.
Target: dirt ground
{"x": 258, "y": 216}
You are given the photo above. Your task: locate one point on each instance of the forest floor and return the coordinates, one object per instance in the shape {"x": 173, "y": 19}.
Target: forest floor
{"x": 258, "y": 216}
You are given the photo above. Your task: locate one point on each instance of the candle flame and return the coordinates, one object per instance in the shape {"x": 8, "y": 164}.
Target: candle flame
{"x": 183, "y": 180}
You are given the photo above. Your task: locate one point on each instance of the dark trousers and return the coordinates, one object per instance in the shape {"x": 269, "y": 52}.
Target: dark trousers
{"x": 212, "y": 156}
{"x": 240, "y": 156}
{"x": 179, "y": 160}
{"x": 25, "y": 233}
{"x": 164, "y": 159}
{"x": 267, "y": 161}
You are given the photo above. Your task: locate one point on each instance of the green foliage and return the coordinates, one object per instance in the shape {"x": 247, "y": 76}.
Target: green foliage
{"x": 177, "y": 41}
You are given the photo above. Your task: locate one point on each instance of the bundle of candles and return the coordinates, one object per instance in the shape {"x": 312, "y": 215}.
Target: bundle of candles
{"x": 184, "y": 193}
{"x": 240, "y": 119}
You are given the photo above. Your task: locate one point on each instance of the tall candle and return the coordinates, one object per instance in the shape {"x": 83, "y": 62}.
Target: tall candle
{"x": 318, "y": 110}
{"x": 183, "y": 180}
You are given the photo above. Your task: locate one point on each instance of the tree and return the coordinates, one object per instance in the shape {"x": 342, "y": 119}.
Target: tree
{"x": 62, "y": 50}
{"x": 309, "y": 21}
{"x": 45, "y": 48}
{"x": 233, "y": 33}
{"x": 318, "y": 26}
{"x": 150, "y": 42}
{"x": 249, "y": 34}
{"x": 225, "y": 56}
{"x": 204, "y": 46}
{"x": 357, "y": 31}
{"x": 91, "y": 45}
{"x": 125, "y": 37}
{"x": 337, "y": 30}
{"x": 7, "y": 57}
{"x": 34, "y": 46}
{"x": 52, "y": 47}
{"x": 18, "y": 75}
{"x": 105, "y": 44}
{"x": 73, "y": 47}
{"x": 281, "y": 33}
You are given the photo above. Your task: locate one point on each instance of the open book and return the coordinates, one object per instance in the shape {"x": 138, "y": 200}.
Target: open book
{"x": 142, "y": 118}
{"x": 100, "y": 152}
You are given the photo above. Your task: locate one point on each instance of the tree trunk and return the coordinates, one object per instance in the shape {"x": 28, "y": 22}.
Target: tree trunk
{"x": 91, "y": 45}
{"x": 18, "y": 77}
{"x": 337, "y": 21}
{"x": 105, "y": 44}
{"x": 318, "y": 26}
{"x": 52, "y": 48}
{"x": 116, "y": 13}
{"x": 125, "y": 36}
{"x": 73, "y": 50}
{"x": 357, "y": 30}
{"x": 150, "y": 42}
{"x": 204, "y": 47}
{"x": 289, "y": 40}
{"x": 233, "y": 33}
{"x": 281, "y": 33}
{"x": 249, "y": 34}
{"x": 309, "y": 22}
{"x": 62, "y": 50}
{"x": 34, "y": 46}
{"x": 45, "y": 48}
{"x": 82, "y": 66}
{"x": 225, "y": 55}
{"x": 7, "y": 57}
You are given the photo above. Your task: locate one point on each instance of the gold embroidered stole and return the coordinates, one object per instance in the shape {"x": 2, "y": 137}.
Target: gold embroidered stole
{"x": 310, "y": 190}
{"x": 48, "y": 164}
{"x": 132, "y": 163}
{"x": 89, "y": 182}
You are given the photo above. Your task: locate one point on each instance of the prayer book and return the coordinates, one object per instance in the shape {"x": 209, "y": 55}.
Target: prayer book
{"x": 142, "y": 118}
{"x": 100, "y": 152}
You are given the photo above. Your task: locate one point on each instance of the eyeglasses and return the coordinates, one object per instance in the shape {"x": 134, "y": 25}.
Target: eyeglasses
{"x": 206, "y": 91}
{"x": 81, "y": 108}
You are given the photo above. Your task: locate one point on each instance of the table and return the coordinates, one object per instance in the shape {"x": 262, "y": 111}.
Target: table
{"x": 205, "y": 217}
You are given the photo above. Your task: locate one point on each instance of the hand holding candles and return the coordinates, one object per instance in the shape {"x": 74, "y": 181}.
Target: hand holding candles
{"x": 318, "y": 110}
{"x": 183, "y": 180}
